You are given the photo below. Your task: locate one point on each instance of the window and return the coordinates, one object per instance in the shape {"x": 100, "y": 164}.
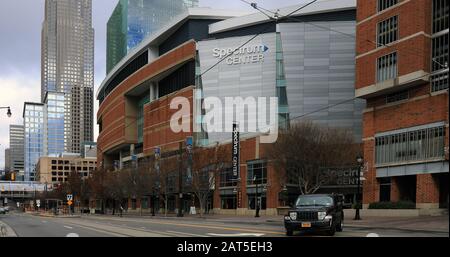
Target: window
{"x": 397, "y": 97}
{"x": 228, "y": 202}
{"x": 226, "y": 178}
{"x": 440, "y": 15}
{"x": 440, "y": 52}
{"x": 414, "y": 145}
{"x": 387, "y": 31}
{"x": 257, "y": 169}
{"x": 439, "y": 82}
{"x": 387, "y": 67}
{"x": 384, "y": 4}
{"x": 261, "y": 201}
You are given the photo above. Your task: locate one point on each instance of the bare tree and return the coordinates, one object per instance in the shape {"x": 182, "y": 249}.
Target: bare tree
{"x": 97, "y": 184}
{"x": 306, "y": 149}
{"x": 207, "y": 164}
{"x": 164, "y": 178}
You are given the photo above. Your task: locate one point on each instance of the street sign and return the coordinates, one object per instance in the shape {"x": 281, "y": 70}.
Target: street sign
{"x": 134, "y": 157}
{"x": 18, "y": 204}
{"x": 70, "y": 202}
{"x": 69, "y": 197}
{"x": 38, "y": 203}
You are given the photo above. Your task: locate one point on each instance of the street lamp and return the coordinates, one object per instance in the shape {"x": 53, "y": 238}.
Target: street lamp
{"x": 8, "y": 112}
{"x": 256, "y": 198}
{"x": 360, "y": 161}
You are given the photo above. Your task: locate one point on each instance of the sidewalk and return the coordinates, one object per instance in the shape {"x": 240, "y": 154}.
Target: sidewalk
{"x": 6, "y": 231}
{"x": 420, "y": 224}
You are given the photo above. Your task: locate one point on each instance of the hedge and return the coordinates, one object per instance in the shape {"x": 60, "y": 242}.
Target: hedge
{"x": 393, "y": 205}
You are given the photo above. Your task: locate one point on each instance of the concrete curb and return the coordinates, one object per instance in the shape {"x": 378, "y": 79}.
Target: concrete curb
{"x": 9, "y": 231}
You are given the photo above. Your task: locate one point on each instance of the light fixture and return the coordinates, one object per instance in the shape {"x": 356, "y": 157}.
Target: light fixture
{"x": 9, "y": 112}
{"x": 359, "y": 159}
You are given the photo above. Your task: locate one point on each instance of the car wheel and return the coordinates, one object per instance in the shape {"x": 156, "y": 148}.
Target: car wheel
{"x": 289, "y": 232}
{"x": 332, "y": 230}
{"x": 340, "y": 226}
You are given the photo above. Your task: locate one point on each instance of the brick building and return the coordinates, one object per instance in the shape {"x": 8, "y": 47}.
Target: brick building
{"x": 402, "y": 72}
{"x": 53, "y": 171}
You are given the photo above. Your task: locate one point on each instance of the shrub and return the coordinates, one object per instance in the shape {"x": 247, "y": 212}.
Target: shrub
{"x": 393, "y": 205}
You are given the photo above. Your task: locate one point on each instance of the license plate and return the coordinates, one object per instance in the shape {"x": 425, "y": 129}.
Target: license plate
{"x": 306, "y": 224}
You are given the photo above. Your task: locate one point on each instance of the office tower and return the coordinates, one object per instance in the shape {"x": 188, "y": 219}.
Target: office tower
{"x": 7, "y": 159}
{"x": 54, "y": 131}
{"x": 68, "y": 70}
{"x": 34, "y": 123}
{"x": 134, "y": 20}
{"x": 16, "y": 147}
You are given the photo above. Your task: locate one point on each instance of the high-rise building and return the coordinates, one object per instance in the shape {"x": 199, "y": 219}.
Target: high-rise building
{"x": 133, "y": 20}
{"x": 403, "y": 75}
{"x": 68, "y": 70}
{"x": 35, "y": 126}
{"x": 16, "y": 146}
{"x": 7, "y": 159}
{"x": 54, "y": 131}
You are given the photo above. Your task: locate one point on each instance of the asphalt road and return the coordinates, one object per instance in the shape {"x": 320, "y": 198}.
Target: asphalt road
{"x": 26, "y": 225}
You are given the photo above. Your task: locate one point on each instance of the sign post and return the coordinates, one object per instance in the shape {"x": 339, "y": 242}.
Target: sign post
{"x": 70, "y": 202}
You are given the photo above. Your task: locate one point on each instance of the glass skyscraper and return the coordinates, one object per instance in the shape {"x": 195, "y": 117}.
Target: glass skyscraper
{"x": 68, "y": 73}
{"x": 34, "y": 123}
{"x": 134, "y": 20}
{"x": 55, "y": 123}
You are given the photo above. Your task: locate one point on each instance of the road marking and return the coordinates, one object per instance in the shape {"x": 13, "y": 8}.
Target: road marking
{"x": 44, "y": 221}
{"x": 187, "y": 234}
{"x": 73, "y": 235}
{"x": 209, "y": 227}
{"x": 68, "y": 227}
{"x": 373, "y": 235}
{"x": 236, "y": 235}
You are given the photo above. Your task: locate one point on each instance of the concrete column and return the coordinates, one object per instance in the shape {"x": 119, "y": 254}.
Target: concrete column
{"x": 427, "y": 192}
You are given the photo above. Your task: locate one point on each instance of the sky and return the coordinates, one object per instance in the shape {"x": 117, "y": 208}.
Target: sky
{"x": 20, "y": 46}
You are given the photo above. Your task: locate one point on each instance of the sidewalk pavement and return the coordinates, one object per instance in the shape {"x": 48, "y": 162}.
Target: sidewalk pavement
{"x": 6, "y": 231}
{"x": 418, "y": 224}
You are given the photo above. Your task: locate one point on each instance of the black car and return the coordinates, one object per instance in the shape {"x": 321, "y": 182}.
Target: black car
{"x": 316, "y": 213}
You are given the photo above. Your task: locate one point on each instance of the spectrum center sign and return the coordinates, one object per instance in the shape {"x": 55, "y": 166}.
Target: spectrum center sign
{"x": 244, "y": 55}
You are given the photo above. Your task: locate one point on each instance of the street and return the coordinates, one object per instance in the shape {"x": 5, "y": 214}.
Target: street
{"x": 27, "y": 225}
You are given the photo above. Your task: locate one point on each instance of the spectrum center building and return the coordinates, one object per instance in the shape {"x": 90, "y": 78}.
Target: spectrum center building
{"x": 302, "y": 62}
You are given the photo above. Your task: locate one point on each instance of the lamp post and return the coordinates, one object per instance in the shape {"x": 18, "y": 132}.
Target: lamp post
{"x": 256, "y": 198}
{"x": 360, "y": 162}
{"x": 8, "y": 112}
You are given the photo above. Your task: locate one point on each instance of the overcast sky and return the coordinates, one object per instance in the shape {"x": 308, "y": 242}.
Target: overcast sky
{"x": 20, "y": 45}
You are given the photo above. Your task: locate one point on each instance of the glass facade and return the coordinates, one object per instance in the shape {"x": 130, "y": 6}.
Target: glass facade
{"x": 140, "y": 118}
{"x": 34, "y": 123}
{"x": 134, "y": 20}
{"x": 55, "y": 123}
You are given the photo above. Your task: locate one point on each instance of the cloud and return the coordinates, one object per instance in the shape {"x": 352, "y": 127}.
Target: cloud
{"x": 16, "y": 88}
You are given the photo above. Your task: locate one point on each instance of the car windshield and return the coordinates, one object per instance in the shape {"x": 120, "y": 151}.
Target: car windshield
{"x": 314, "y": 201}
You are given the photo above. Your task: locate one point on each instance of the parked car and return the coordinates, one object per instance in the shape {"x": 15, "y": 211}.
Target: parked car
{"x": 316, "y": 213}
{"x": 2, "y": 210}
{"x": 6, "y": 208}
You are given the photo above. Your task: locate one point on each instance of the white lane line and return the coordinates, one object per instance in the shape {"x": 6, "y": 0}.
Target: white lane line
{"x": 68, "y": 227}
{"x": 237, "y": 235}
{"x": 186, "y": 234}
{"x": 73, "y": 235}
